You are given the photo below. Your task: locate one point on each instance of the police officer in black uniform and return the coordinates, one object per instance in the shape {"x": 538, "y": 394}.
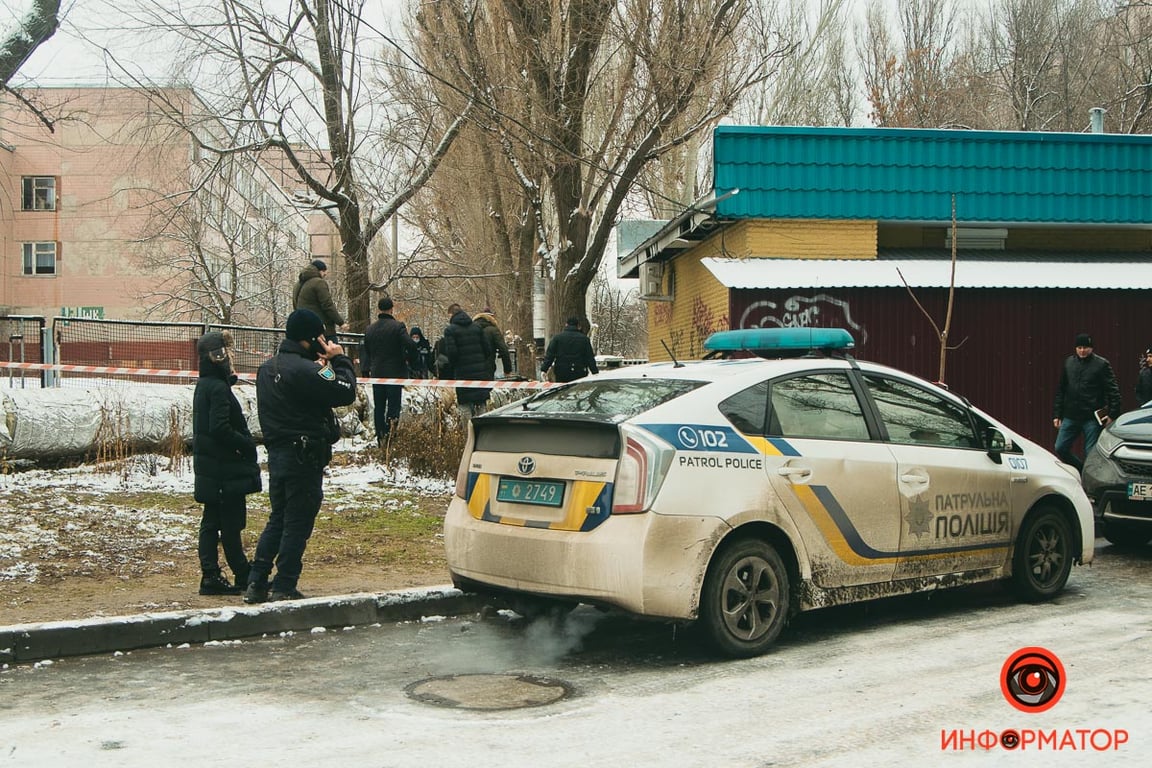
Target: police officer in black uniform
{"x": 296, "y": 391}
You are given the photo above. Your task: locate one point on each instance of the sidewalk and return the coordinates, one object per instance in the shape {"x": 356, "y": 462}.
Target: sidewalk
{"x": 22, "y": 643}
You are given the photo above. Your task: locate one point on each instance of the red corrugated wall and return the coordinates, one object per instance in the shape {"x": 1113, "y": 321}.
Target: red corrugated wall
{"x": 1009, "y": 343}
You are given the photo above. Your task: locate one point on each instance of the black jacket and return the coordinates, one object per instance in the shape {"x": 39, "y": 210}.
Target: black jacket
{"x": 571, "y": 352}
{"x": 468, "y": 353}
{"x": 1085, "y": 385}
{"x": 388, "y": 350}
{"x": 496, "y": 341}
{"x": 223, "y": 452}
{"x": 295, "y": 395}
{"x": 425, "y": 361}
{"x": 1144, "y": 386}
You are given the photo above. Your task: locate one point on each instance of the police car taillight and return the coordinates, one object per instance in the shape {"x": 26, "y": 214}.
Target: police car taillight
{"x": 462, "y": 472}
{"x": 640, "y": 472}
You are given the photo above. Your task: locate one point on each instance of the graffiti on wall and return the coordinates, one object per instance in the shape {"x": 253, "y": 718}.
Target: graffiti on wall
{"x": 820, "y": 310}
{"x": 705, "y": 322}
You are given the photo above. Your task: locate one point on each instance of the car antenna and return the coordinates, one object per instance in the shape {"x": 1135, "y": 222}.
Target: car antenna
{"x": 676, "y": 363}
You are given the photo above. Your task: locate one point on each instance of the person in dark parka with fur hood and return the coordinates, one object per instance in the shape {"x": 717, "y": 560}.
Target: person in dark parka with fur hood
{"x": 468, "y": 353}
{"x": 224, "y": 464}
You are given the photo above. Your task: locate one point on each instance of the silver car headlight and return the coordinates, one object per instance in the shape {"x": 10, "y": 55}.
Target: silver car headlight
{"x": 1108, "y": 442}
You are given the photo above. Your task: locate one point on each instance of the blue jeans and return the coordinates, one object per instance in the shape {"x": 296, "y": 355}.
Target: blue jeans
{"x": 295, "y": 491}
{"x": 1070, "y": 429}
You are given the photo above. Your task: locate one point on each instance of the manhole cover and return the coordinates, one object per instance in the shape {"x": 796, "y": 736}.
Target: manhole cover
{"x": 488, "y": 691}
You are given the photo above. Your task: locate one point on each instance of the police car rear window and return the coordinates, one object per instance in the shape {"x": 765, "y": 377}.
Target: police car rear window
{"x": 622, "y": 398}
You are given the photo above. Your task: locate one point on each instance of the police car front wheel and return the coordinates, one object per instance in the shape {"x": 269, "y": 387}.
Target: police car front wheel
{"x": 744, "y": 603}
{"x": 1043, "y": 556}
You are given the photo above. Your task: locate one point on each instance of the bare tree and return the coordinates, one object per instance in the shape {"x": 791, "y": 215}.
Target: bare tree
{"x": 37, "y": 25}
{"x": 805, "y": 45}
{"x": 1043, "y": 54}
{"x": 220, "y": 250}
{"x": 580, "y": 98}
{"x": 1127, "y": 76}
{"x": 297, "y": 77}
{"x": 620, "y": 326}
{"x": 907, "y": 71}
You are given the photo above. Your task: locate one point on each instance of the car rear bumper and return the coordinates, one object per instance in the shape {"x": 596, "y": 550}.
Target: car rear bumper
{"x": 647, "y": 564}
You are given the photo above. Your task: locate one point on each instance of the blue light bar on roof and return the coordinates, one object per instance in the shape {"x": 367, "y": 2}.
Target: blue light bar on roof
{"x": 755, "y": 339}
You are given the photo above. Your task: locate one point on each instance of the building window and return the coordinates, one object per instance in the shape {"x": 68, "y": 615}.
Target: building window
{"x": 39, "y": 258}
{"x": 39, "y": 193}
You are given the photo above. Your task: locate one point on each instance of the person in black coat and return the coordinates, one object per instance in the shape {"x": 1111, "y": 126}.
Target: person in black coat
{"x": 468, "y": 353}
{"x": 1087, "y": 399}
{"x": 296, "y": 391}
{"x": 387, "y": 353}
{"x": 1144, "y": 381}
{"x": 425, "y": 361}
{"x": 224, "y": 465}
{"x": 570, "y": 352}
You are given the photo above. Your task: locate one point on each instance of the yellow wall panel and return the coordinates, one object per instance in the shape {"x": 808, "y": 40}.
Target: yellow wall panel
{"x": 700, "y": 303}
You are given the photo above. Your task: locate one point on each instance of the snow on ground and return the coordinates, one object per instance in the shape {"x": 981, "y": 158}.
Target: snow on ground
{"x": 43, "y": 510}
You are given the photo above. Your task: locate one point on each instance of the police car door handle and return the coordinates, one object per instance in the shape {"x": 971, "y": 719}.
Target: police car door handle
{"x": 916, "y": 478}
{"x": 1019, "y": 478}
{"x": 789, "y": 471}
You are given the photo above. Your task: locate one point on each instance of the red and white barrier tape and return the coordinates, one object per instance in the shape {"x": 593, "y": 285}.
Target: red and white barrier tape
{"x": 453, "y": 383}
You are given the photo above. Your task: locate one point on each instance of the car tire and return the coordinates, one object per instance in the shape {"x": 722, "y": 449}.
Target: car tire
{"x": 1125, "y": 536}
{"x": 744, "y": 604}
{"x": 1043, "y": 555}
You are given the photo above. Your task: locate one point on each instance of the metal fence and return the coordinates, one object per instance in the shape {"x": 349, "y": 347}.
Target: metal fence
{"x": 142, "y": 346}
{"x": 22, "y": 341}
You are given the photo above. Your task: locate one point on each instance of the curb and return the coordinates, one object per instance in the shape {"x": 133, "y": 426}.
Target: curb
{"x": 22, "y": 643}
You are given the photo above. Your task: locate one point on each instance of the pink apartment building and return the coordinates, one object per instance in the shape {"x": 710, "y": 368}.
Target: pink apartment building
{"x": 78, "y": 224}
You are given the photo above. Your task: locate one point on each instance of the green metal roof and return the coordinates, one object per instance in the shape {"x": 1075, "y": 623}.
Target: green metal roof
{"x": 908, "y": 174}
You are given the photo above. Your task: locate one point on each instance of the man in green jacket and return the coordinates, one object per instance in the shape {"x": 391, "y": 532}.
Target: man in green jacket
{"x": 311, "y": 292}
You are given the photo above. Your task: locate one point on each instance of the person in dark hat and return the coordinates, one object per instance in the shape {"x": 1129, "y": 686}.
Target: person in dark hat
{"x": 425, "y": 362}
{"x": 224, "y": 465}
{"x": 296, "y": 391}
{"x": 311, "y": 292}
{"x": 1087, "y": 399}
{"x": 387, "y": 353}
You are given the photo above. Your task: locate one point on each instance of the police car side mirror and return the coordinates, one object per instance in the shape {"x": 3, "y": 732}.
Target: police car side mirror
{"x": 998, "y": 443}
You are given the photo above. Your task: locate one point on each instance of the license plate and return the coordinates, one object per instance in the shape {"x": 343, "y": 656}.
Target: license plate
{"x": 1140, "y": 491}
{"x": 548, "y": 493}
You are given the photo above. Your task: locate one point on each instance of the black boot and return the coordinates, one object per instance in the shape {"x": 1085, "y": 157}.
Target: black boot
{"x": 257, "y": 591}
{"x": 213, "y": 583}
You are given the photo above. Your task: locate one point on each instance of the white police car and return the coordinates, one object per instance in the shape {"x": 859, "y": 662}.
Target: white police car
{"x": 736, "y": 492}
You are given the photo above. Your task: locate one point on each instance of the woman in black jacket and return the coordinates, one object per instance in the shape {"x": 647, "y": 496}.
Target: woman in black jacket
{"x": 224, "y": 463}
{"x": 425, "y": 362}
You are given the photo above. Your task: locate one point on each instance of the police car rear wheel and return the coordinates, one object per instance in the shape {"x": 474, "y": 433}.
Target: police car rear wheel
{"x": 1043, "y": 556}
{"x": 744, "y": 604}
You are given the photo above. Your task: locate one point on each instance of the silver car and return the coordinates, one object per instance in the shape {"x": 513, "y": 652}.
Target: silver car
{"x": 1118, "y": 479}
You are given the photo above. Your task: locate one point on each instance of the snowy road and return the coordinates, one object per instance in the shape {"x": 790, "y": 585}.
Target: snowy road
{"x": 878, "y": 685}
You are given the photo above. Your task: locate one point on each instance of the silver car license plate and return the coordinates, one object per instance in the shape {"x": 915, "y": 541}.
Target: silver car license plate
{"x": 1140, "y": 491}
